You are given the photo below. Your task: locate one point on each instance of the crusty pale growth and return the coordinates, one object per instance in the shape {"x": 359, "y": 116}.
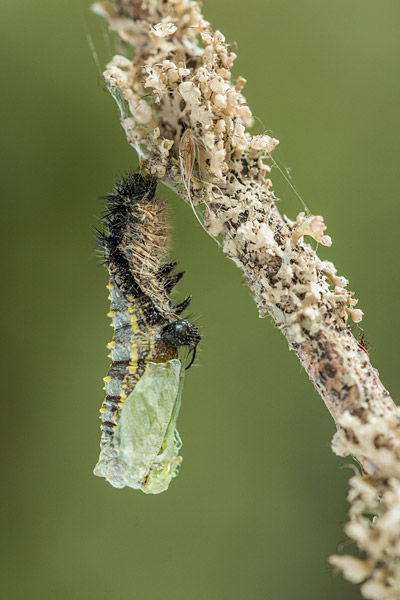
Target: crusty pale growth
{"x": 180, "y": 81}
{"x": 374, "y": 512}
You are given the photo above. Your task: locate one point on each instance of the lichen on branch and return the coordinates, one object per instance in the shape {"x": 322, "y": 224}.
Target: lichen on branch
{"x": 188, "y": 120}
{"x": 374, "y": 514}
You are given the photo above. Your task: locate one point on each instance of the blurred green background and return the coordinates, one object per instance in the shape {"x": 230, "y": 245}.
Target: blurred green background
{"x": 260, "y": 501}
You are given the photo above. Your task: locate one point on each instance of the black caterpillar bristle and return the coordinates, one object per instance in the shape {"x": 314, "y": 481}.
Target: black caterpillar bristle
{"x": 179, "y": 308}
{"x": 171, "y": 281}
{"x": 166, "y": 269}
{"x": 136, "y": 187}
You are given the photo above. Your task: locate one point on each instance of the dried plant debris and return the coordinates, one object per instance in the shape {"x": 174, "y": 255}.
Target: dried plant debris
{"x": 188, "y": 122}
{"x": 374, "y": 514}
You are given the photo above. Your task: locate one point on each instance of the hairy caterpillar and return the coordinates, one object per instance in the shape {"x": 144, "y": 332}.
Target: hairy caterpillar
{"x": 139, "y": 442}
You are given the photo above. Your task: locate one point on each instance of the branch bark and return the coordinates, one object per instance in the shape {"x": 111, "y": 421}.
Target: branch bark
{"x": 178, "y": 88}
{"x": 188, "y": 122}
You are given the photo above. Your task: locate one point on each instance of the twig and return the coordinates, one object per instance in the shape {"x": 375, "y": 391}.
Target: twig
{"x": 187, "y": 120}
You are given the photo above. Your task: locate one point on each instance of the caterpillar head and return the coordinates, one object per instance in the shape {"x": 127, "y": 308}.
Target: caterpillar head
{"x": 181, "y": 333}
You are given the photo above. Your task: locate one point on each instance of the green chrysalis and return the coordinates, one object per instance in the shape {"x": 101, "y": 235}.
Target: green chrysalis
{"x": 144, "y": 454}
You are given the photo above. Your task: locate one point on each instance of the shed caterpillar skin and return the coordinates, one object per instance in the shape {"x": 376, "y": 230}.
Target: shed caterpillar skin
{"x": 148, "y": 332}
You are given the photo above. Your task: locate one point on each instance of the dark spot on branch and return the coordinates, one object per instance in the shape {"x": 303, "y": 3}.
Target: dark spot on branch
{"x": 350, "y": 436}
{"x": 328, "y": 370}
{"x": 345, "y": 391}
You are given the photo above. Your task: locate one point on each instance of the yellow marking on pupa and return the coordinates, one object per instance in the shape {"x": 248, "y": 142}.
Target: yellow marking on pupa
{"x": 134, "y": 325}
{"x": 110, "y": 345}
{"x": 111, "y": 313}
{"x": 133, "y": 352}
{"x": 132, "y": 316}
{"x": 107, "y": 378}
{"x": 110, "y": 286}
